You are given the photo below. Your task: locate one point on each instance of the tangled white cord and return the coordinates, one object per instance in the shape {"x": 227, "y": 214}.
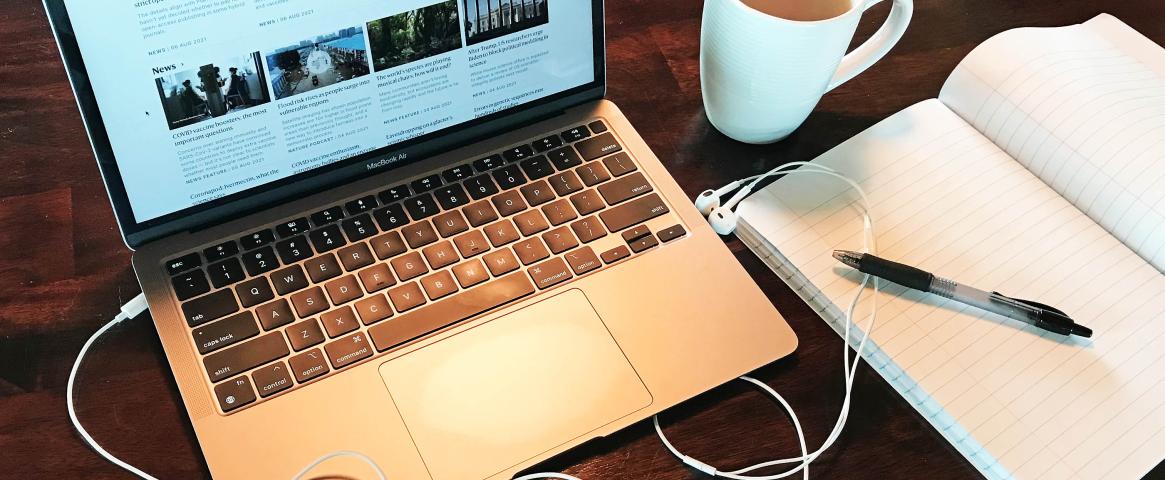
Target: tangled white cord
{"x": 869, "y": 246}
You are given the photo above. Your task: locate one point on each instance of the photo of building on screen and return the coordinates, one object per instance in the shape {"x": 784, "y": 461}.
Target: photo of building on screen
{"x": 212, "y": 90}
{"x": 490, "y": 19}
{"x": 318, "y": 62}
{"x": 413, "y": 35}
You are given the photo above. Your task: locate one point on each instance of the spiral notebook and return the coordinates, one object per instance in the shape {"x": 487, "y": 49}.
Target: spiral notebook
{"x": 1039, "y": 171}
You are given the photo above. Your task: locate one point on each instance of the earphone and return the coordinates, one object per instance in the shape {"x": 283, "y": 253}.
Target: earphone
{"x": 724, "y": 220}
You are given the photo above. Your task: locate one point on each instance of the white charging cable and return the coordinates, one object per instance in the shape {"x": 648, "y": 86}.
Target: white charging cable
{"x": 723, "y": 218}
{"x": 136, "y": 307}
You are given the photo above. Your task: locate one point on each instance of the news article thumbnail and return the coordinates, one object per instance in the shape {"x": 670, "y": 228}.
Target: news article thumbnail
{"x": 318, "y": 62}
{"x": 413, "y": 35}
{"x": 490, "y": 19}
{"x": 213, "y": 90}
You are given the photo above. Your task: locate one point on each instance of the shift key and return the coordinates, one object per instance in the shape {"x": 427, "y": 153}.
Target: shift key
{"x": 240, "y": 358}
{"x": 634, "y": 212}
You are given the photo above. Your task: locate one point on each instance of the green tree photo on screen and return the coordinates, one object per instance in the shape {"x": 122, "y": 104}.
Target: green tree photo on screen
{"x": 414, "y": 35}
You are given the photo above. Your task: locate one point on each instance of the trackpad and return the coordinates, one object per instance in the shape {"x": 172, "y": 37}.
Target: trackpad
{"x": 490, "y": 398}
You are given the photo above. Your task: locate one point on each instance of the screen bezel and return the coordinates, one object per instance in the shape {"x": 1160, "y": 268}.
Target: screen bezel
{"x": 264, "y": 196}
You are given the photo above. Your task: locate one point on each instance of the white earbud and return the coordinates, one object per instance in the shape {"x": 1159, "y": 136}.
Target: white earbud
{"x": 707, "y": 202}
{"x": 723, "y": 220}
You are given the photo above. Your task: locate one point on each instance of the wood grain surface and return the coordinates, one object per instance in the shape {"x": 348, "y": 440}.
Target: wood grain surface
{"x": 64, "y": 269}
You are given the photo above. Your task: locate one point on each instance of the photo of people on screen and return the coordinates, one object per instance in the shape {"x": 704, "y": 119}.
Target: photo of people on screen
{"x": 318, "y": 63}
{"x": 490, "y": 19}
{"x": 413, "y": 35}
{"x": 213, "y": 90}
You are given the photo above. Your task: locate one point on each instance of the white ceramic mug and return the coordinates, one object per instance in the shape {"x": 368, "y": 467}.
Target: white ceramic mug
{"x": 762, "y": 75}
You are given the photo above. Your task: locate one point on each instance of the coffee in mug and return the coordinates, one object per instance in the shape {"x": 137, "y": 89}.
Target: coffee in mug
{"x": 801, "y": 10}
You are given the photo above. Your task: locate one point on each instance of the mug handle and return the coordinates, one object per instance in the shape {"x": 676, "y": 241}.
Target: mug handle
{"x": 878, "y": 45}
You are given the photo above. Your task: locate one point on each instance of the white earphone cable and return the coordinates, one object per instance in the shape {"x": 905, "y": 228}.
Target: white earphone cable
{"x": 870, "y": 246}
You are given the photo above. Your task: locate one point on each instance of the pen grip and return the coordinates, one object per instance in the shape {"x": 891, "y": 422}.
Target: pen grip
{"x": 904, "y": 275}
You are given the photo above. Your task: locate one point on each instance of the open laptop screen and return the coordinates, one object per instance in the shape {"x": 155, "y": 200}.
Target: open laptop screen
{"x": 202, "y": 99}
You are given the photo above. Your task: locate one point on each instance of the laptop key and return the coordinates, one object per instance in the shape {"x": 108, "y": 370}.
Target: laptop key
{"x": 226, "y": 332}
{"x": 240, "y": 358}
{"x": 548, "y": 143}
{"x": 471, "y": 244}
{"x": 577, "y": 133}
{"x": 260, "y": 261}
{"x": 452, "y": 310}
{"x": 210, "y": 307}
{"x": 325, "y": 217}
{"x": 190, "y": 284}
{"x": 625, "y": 188}
{"x": 305, "y": 334}
{"x": 559, "y": 212}
{"x": 480, "y": 213}
{"x": 615, "y": 254}
{"x": 644, "y": 243}
{"x": 308, "y": 365}
{"x": 531, "y": 250}
{"x": 406, "y": 297}
{"x": 339, "y": 321}
{"x": 425, "y": 184}
{"x": 225, "y": 273}
{"x": 373, "y": 309}
{"x": 293, "y": 250}
{"x": 441, "y": 255}
{"x": 272, "y": 379}
{"x": 409, "y": 266}
{"x": 183, "y": 263}
{"x": 619, "y": 164}
{"x": 509, "y": 203}
{"x": 671, "y": 233}
{"x": 565, "y": 183}
{"x": 502, "y": 233}
{"x": 537, "y": 193}
{"x": 550, "y": 273}
{"x": 587, "y": 202}
{"x": 531, "y": 222}
{"x": 360, "y": 205}
{"x": 257, "y": 239}
{"x": 292, "y": 228}
{"x": 359, "y": 228}
{"x": 323, "y": 267}
{"x": 501, "y": 262}
{"x": 355, "y": 256}
{"x": 457, "y": 174}
{"x": 583, "y": 261}
{"x": 419, "y": 234}
{"x": 289, "y": 280}
{"x": 439, "y": 285}
{"x": 390, "y": 217}
{"x": 254, "y": 291}
{"x": 451, "y": 196}
{"x": 588, "y": 229}
{"x": 274, "y": 314}
{"x": 309, "y": 302}
{"x": 395, "y": 194}
{"x": 488, "y": 163}
{"x": 634, "y": 212}
{"x": 565, "y": 158}
{"x": 509, "y": 177}
{"x": 348, "y": 350}
{"x": 598, "y": 126}
{"x": 376, "y": 278}
{"x": 450, "y": 223}
{"x": 234, "y": 394}
{"x": 537, "y": 167}
{"x": 481, "y": 186}
{"x": 593, "y": 173}
{"x": 327, "y": 239}
{"x": 343, "y": 290}
{"x": 559, "y": 240}
{"x": 388, "y": 245}
{"x": 221, "y": 251}
{"x": 597, "y": 147}
{"x": 470, "y": 273}
{"x": 518, "y": 153}
{"x": 422, "y": 207}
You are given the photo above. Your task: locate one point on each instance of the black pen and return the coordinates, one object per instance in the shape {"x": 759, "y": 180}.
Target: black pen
{"x": 1035, "y": 314}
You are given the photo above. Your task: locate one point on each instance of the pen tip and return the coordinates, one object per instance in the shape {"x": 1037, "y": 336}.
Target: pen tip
{"x": 1082, "y": 331}
{"x": 847, "y": 257}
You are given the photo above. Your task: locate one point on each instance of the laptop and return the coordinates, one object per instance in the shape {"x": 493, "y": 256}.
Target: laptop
{"x": 412, "y": 230}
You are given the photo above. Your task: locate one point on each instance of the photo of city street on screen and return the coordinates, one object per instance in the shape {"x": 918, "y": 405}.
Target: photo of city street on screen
{"x": 318, "y": 62}
{"x": 413, "y": 35}
{"x": 211, "y": 90}
{"x": 490, "y": 19}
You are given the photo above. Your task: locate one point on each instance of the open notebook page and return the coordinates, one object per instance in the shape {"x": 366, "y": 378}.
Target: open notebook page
{"x": 1082, "y": 107}
{"x": 947, "y": 199}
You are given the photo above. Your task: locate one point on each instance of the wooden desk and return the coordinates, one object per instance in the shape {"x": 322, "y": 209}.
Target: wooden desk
{"x": 64, "y": 270}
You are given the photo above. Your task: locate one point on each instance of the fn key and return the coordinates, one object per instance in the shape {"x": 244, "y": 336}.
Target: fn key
{"x": 235, "y": 393}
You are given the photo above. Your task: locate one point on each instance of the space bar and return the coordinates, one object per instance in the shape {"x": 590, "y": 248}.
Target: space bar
{"x": 451, "y": 310}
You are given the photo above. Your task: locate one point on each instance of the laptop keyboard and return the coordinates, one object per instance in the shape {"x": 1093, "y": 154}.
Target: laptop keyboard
{"x": 311, "y": 296}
